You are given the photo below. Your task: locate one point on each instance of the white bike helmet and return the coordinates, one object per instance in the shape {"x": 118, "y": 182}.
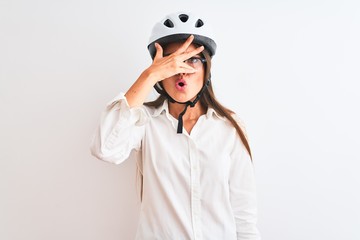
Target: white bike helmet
{"x": 177, "y": 27}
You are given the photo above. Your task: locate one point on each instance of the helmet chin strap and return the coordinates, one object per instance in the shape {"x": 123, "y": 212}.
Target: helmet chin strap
{"x": 187, "y": 104}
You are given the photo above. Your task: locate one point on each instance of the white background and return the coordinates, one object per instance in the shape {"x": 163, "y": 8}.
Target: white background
{"x": 290, "y": 69}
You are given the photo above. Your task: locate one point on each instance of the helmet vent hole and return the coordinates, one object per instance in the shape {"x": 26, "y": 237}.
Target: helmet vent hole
{"x": 183, "y": 17}
{"x": 169, "y": 23}
{"x": 199, "y": 23}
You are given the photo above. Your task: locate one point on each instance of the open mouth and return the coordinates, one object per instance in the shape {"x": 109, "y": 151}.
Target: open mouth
{"x": 180, "y": 84}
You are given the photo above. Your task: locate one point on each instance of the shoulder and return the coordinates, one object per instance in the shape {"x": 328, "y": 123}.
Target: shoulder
{"x": 240, "y": 122}
{"x": 212, "y": 114}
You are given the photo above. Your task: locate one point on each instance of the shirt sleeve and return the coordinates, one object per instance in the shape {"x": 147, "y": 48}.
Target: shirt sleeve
{"x": 243, "y": 193}
{"x": 120, "y": 131}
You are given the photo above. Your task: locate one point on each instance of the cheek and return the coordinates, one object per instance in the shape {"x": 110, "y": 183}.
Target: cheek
{"x": 166, "y": 83}
{"x": 200, "y": 79}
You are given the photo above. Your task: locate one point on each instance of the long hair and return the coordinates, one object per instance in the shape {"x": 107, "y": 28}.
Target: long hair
{"x": 208, "y": 99}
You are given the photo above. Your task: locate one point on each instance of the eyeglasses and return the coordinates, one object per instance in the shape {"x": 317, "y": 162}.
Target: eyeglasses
{"x": 195, "y": 62}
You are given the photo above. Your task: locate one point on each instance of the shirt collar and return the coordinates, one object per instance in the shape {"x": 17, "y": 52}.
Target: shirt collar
{"x": 159, "y": 110}
{"x": 212, "y": 113}
{"x": 165, "y": 107}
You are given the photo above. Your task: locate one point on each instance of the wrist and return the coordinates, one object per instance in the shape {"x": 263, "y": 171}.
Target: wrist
{"x": 150, "y": 76}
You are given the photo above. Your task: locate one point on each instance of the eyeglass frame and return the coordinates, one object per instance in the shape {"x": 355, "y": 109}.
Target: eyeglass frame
{"x": 202, "y": 60}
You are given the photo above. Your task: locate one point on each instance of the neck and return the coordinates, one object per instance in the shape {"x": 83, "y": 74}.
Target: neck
{"x": 192, "y": 113}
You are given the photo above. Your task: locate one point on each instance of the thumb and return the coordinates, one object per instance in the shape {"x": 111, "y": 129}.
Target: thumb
{"x": 159, "y": 51}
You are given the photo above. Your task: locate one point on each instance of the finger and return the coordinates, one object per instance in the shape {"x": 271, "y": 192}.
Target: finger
{"x": 185, "y": 68}
{"x": 194, "y": 52}
{"x": 185, "y": 45}
{"x": 159, "y": 51}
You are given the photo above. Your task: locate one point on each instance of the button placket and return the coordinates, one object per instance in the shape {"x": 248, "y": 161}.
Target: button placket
{"x": 195, "y": 190}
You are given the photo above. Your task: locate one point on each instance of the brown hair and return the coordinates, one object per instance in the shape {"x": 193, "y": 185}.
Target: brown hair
{"x": 208, "y": 99}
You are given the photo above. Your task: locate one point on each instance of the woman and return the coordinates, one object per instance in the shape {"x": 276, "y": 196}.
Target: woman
{"x": 197, "y": 173}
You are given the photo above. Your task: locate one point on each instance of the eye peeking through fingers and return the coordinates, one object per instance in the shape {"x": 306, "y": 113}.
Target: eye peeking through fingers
{"x": 195, "y": 62}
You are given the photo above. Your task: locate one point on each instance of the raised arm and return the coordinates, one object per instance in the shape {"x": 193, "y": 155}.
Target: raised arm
{"x": 122, "y": 124}
{"x": 161, "y": 68}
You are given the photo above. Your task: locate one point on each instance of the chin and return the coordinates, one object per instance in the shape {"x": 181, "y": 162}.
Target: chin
{"x": 182, "y": 97}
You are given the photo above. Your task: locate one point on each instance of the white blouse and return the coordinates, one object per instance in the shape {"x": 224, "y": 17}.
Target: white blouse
{"x": 195, "y": 186}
